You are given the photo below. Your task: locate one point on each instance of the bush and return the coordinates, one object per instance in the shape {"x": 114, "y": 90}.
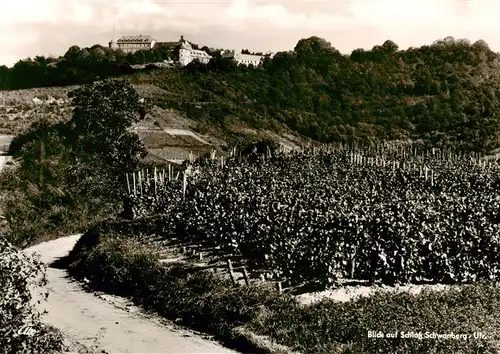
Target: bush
{"x": 21, "y": 330}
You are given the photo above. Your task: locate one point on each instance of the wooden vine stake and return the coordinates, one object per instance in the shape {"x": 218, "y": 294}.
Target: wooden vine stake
{"x": 128, "y": 183}
{"x": 279, "y": 287}
{"x": 135, "y": 189}
{"x": 231, "y": 272}
{"x": 140, "y": 181}
{"x": 184, "y": 185}
{"x": 156, "y": 182}
{"x": 245, "y": 276}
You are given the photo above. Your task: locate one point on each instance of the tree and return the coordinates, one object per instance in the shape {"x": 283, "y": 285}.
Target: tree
{"x": 389, "y": 46}
{"x": 313, "y": 47}
{"x": 27, "y": 73}
{"x": 69, "y": 171}
{"x": 4, "y": 77}
{"x": 82, "y": 54}
{"x": 72, "y": 52}
{"x": 97, "y": 52}
{"x": 102, "y": 114}
{"x": 221, "y": 64}
{"x": 481, "y": 44}
{"x": 139, "y": 57}
{"x": 150, "y": 56}
{"x": 358, "y": 55}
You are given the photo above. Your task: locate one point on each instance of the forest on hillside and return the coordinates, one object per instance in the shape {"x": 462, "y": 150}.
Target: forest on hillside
{"x": 77, "y": 66}
{"x": 444, "y": 94}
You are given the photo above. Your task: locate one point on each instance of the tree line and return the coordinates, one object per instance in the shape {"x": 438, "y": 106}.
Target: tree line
{"x": 84, "y": 65}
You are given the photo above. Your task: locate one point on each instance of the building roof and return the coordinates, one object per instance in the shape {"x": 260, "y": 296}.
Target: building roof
{"x": 238, "y": 56}
{"x": 166, "y": 44}
{"x": 199, "y": 53}
{"x": 136, "y": 39}
{"x": 186, "y": 45}
{"x": 227, "y": 53}
{"x": 249, "y": 57}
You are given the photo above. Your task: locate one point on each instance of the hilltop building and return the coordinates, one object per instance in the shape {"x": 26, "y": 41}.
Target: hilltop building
{"x": 245, "y": 59}
{"x": 112, "y": 44}
{"x": 168, "y": 45}
{"x": 187, "y": 54}
{"x": 184, "y": 50}
{"x": 131, "y": 44}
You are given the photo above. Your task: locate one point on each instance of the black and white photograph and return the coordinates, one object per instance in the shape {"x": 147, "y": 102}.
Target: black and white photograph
{"x": 250, "y": 176}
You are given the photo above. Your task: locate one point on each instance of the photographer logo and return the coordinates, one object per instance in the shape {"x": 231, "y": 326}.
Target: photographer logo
{"x": 27, "y": 331}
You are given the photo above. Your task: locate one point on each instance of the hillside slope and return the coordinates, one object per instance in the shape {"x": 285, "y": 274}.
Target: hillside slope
{"x": 444, "y": 94}
{"x": 167, "y": 133}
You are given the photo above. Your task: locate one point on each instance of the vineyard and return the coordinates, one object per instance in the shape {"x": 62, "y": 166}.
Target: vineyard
{"x": 380, "y": 213}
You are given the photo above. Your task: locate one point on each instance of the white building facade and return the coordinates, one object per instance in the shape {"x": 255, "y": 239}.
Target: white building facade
{"x": 245, "y": 59}
{"x": 187, "y": 54}
{"x": 248, "y": 59}
{"x": 132, "y": 44}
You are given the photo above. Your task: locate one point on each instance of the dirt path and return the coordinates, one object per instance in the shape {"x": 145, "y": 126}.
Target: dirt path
{"x": 108, "y": 323}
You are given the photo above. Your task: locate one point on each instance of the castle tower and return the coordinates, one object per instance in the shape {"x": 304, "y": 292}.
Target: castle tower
{"x": 112, "y": 44}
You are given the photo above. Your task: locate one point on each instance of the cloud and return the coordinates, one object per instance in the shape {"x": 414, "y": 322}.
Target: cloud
{"x": 41, "y": 27}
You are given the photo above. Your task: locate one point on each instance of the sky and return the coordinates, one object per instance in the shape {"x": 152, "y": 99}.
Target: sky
{"x": 49, "y": 27}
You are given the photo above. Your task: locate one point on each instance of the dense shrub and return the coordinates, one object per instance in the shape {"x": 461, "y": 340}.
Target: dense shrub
{"x": 21, "y": 330}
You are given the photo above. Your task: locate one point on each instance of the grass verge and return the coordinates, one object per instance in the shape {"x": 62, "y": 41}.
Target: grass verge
{"x": 113, "y": 259}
